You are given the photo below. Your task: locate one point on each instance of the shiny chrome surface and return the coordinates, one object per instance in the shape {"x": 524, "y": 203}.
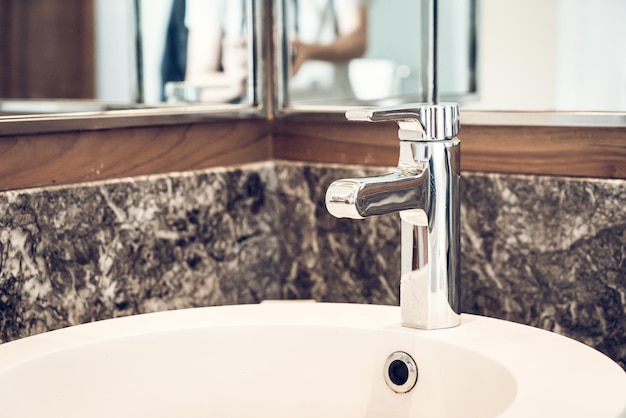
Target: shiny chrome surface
{"x": 403, "y": 189}
{"x": 425, "y": 123}
{"x": 424, "y": 189}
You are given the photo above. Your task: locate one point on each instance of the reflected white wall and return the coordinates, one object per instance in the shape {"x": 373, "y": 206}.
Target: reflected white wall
{"x": 454, "y": 33}
{"x": 115, "y": 76}
{"x": 115, "y": 52}
{"x": 398, "y": 41}
{"x": 154, "y": 19}
{"x": 395, "y": 34}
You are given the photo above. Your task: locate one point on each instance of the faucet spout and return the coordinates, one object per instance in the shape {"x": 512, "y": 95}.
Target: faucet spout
{"x": 358, "y": 198}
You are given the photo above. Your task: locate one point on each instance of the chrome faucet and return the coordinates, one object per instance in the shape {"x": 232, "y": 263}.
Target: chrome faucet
{"x": 424, "y": 189}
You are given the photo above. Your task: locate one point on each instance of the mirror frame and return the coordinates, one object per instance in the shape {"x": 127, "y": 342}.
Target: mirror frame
{"x": 543, "y": 118}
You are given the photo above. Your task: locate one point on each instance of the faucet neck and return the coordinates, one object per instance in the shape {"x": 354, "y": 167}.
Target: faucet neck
{"x": 430, "y": 258}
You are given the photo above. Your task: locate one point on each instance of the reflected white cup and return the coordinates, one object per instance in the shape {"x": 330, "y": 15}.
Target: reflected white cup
{"x": 372, "y": 79}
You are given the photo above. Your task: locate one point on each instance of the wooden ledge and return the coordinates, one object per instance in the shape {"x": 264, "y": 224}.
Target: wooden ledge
{"x": 72, "y": 157}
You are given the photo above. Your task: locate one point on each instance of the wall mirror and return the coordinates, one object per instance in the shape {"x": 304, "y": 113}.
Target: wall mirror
{"x": 494, "y": 55}
{"x": 114, "y": 55}
{"x": 372, "y": 53}
{"x": 510, "y": 62}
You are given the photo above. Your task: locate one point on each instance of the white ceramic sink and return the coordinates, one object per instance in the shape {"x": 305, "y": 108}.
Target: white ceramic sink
{"x": 302, "y": 360}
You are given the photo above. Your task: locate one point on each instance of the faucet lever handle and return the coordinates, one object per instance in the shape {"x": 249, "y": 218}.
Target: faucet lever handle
{"x": 422, "y": 123}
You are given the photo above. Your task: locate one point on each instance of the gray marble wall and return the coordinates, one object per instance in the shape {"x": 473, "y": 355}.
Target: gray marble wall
{"x": 95, "y": 251}
{"x": 549, "y": 252}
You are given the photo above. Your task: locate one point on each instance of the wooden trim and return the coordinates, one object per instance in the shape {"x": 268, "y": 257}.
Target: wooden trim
{"x": 72, "y": 157}
{"x": 556, "y": 151}
{"x": 336, "y": 142}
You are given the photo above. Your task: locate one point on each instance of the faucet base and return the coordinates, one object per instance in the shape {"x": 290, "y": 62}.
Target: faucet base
{"x": 422, "y": 309}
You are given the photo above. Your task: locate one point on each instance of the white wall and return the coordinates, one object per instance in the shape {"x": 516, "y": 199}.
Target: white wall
{"x": 517, "y": 54}
{"x": 592, "y": 57}
{"x": 552, "y": 55}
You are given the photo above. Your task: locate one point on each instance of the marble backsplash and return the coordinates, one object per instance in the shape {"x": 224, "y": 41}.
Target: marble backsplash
{"x": 549, "y": 252}
{"x": 102, "y": 250}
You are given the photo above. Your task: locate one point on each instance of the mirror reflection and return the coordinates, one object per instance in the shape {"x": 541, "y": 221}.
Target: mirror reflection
{"x": 82, "y": 55}
{"x": 90, "y": 55}
{"x": 324, "y": 35}
{"x": 361, "y": 52}
{"x": 206, "y": 52}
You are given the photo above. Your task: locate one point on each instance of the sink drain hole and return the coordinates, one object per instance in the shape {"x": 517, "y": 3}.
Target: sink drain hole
{"x": 400, "y": 372}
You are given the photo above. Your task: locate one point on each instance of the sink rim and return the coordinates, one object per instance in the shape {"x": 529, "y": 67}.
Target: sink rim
{"x": 526, "y": 352}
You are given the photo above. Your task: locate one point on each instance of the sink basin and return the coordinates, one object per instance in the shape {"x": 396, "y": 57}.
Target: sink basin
{"x": 297, "y": 359}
